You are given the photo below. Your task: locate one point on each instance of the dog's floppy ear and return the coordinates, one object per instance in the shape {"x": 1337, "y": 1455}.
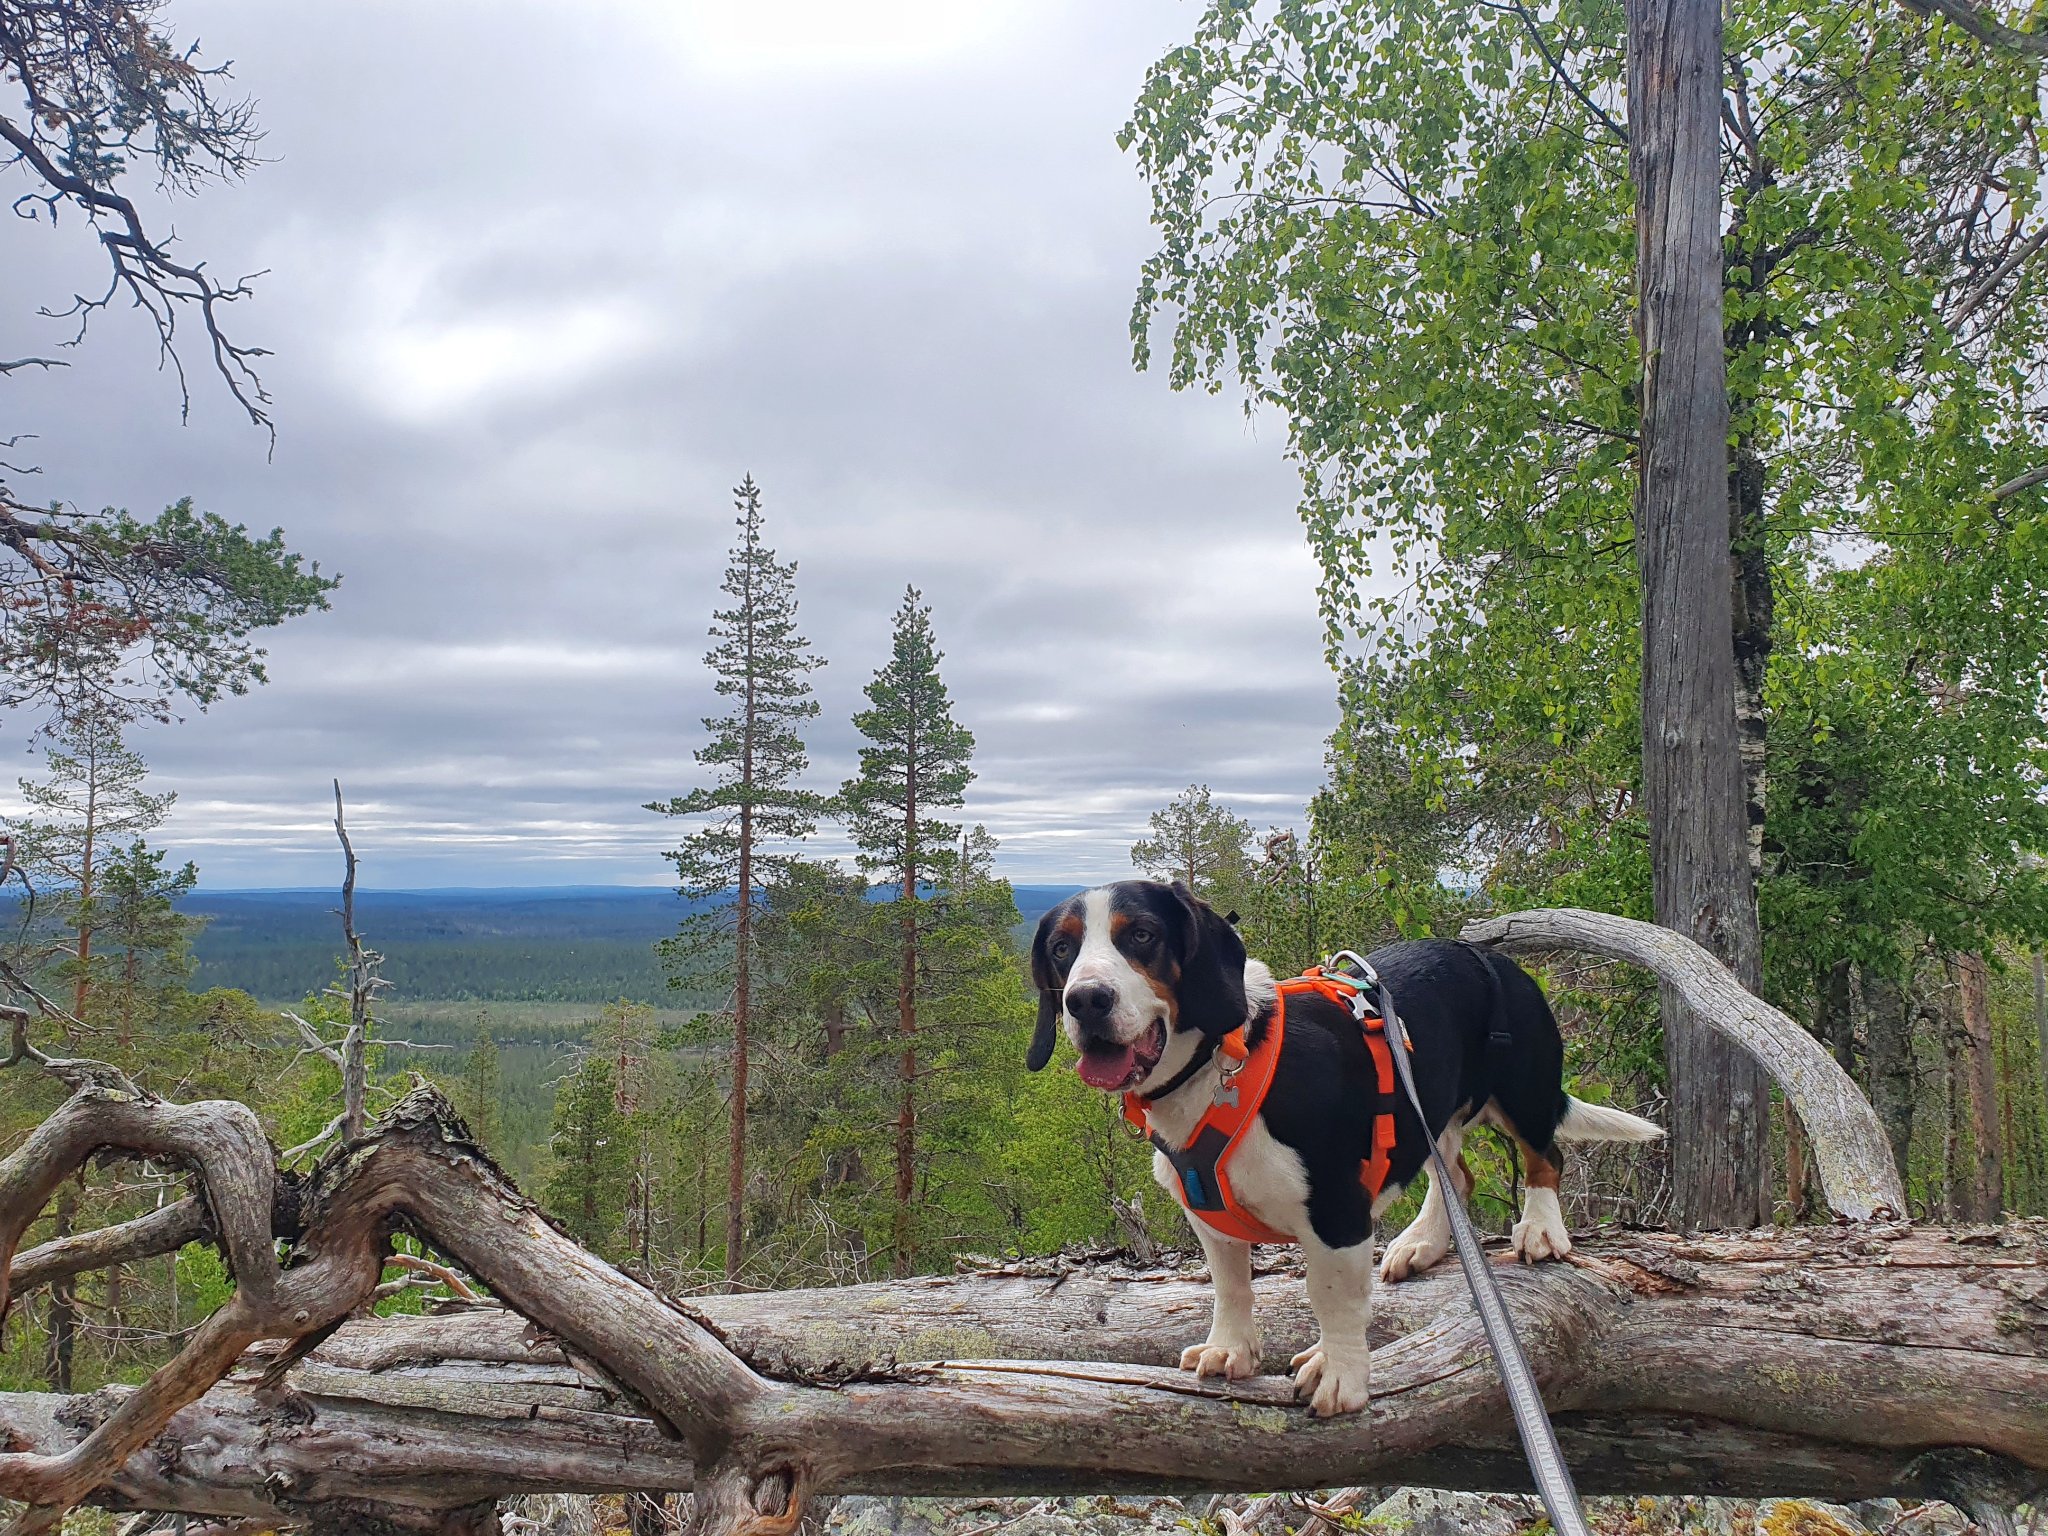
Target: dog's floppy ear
{"x": 1048, "y": 997}
{"x": 1211, "y": 967}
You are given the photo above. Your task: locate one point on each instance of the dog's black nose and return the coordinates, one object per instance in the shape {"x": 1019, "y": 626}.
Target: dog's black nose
{"x": 1090, "y": 1002}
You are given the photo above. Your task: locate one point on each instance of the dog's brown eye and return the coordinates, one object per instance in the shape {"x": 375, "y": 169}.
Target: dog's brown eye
{"x": 1061, "y": 948}
{"x": 1141, "y": 935}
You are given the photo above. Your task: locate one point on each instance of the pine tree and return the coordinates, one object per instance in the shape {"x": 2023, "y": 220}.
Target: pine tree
{"x": 586, "y": 1189}
{"x": 1197, "y": 841}
{"x": 917, "y": 762}
{"x": 755, "y": 755}
{"x": 92, "y": 797}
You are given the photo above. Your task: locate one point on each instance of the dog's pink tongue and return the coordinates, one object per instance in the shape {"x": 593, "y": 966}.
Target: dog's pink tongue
{"x": 1107, "y": 1069}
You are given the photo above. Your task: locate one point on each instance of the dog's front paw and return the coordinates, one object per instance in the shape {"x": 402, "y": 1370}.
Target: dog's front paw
{"x": 1232, "y": 1359}
{"x": 1334, "y": 1381}
{"x": 1410, "y": 1254}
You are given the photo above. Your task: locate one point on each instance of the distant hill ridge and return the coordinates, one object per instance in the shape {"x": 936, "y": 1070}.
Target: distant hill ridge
{"x": 577, "y": 944}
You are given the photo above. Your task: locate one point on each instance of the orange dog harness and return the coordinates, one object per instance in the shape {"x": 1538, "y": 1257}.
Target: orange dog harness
{"x": 1203, "y": 1164}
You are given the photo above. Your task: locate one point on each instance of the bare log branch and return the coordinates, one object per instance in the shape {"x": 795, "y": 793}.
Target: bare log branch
{"x": 435, "y": 1274}
{"x": 162, "y": 1231}
{"x": 1849, "y": 1146}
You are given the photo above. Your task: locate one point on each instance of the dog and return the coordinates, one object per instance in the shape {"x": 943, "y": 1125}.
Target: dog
{"x": 1150, "y": 982}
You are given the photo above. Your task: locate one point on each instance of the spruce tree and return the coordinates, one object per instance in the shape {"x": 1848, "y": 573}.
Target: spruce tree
{"x": 755, "y": 756}
{"x": 148, "y": 940}
{"x": 586, "y": 1187}
{"x": 916, "y": 762}
{"x": 481, "y": 1080}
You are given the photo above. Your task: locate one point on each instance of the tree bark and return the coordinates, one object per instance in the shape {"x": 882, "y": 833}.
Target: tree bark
{"x": 2041, "y": 1013}
{"x": 1985, "y": 1185}
{"x": 1692, "y": 766}
{"x": 1837, "y": 1022}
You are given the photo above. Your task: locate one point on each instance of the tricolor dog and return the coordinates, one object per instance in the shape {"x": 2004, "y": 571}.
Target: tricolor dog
{"x": 1274, "y": 1113}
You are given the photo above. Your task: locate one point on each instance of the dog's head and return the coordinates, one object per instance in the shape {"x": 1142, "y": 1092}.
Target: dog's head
{"x": 1134, "y": 968}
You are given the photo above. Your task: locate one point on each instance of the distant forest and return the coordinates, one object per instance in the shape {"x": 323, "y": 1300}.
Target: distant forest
{"x": 568, "y": 944}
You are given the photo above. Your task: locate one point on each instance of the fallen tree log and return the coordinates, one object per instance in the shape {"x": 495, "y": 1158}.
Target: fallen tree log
{"x": 1879, "y": 1359}
{"x": 1836, "y": 1363}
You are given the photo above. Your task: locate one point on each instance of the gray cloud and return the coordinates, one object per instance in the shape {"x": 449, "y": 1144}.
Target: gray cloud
{"x": 545, "y": 282}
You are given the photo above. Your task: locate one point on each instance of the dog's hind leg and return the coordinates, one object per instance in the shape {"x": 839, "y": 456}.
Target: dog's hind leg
{"x": 1541, "y": 1233}
{"x": 1232, "y": 1348}
{"x": 1426, "y": 1239}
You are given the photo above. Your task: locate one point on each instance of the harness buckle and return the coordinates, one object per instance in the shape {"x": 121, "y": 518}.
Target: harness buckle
{"x": 1349, "y": 966}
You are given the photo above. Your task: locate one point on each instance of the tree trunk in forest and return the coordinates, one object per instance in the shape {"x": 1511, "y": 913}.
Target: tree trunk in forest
{"x": 1953, "y": 1196}
{"x": 2041, "y": 1013}
{"x": 742, "y": 1005}
{"x": 906, "y": 1014}
{"x": 1795, "y": 1166}
{"x": 1986, "y": 1173}
{"x": 62, "y": 1338}
{"x": 1754, "y": 603}
{"x": 81, "y": 990}
{"x": 1693, "y": 788}
{"x": 1894, "y": 1083}
{"x": 1836, "y": 1025}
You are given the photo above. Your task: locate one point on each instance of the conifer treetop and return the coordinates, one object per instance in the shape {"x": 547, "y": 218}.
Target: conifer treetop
{"x": 917, "y": 755}
{"x": 755, "y": 753}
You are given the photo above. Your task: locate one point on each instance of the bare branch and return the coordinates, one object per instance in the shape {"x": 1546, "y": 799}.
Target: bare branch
{"x": 1982, "y": 25}
{"x": 1849, "y": 1144}
{"x": 161, "y": 1231}
{"x": 435, "y": 1274}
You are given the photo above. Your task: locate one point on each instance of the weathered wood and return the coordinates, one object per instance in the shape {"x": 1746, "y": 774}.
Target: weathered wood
{"x": 1849, "y": 1145}
{"x": 164, "y": 1230}
{"x": 1828, "y": 1362}
{"x": 1693, "y": 792}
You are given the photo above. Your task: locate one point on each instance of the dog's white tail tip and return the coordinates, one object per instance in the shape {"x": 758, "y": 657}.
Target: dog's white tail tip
{"x": 1598, "y": 1122}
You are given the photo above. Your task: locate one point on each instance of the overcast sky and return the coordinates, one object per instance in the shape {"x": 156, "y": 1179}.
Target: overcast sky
{"x": 546, "y": 280}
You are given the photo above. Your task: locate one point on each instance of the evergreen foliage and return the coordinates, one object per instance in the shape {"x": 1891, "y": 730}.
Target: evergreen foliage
{"x": 590, "y": 1157}
{"x": 1198, "y": 843}
{"x": 482, "y": 1084}
{"x": 915, "y": 762}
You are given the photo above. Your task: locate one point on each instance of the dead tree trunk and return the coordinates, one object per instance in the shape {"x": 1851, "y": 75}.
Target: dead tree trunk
{"x": 1693, "y": 790}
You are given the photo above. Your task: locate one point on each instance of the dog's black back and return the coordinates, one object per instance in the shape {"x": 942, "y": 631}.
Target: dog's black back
{"x": 1452, "y": 997}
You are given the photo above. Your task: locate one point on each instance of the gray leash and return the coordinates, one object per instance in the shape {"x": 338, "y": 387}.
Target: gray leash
{"x": 1539, "y": 1440}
